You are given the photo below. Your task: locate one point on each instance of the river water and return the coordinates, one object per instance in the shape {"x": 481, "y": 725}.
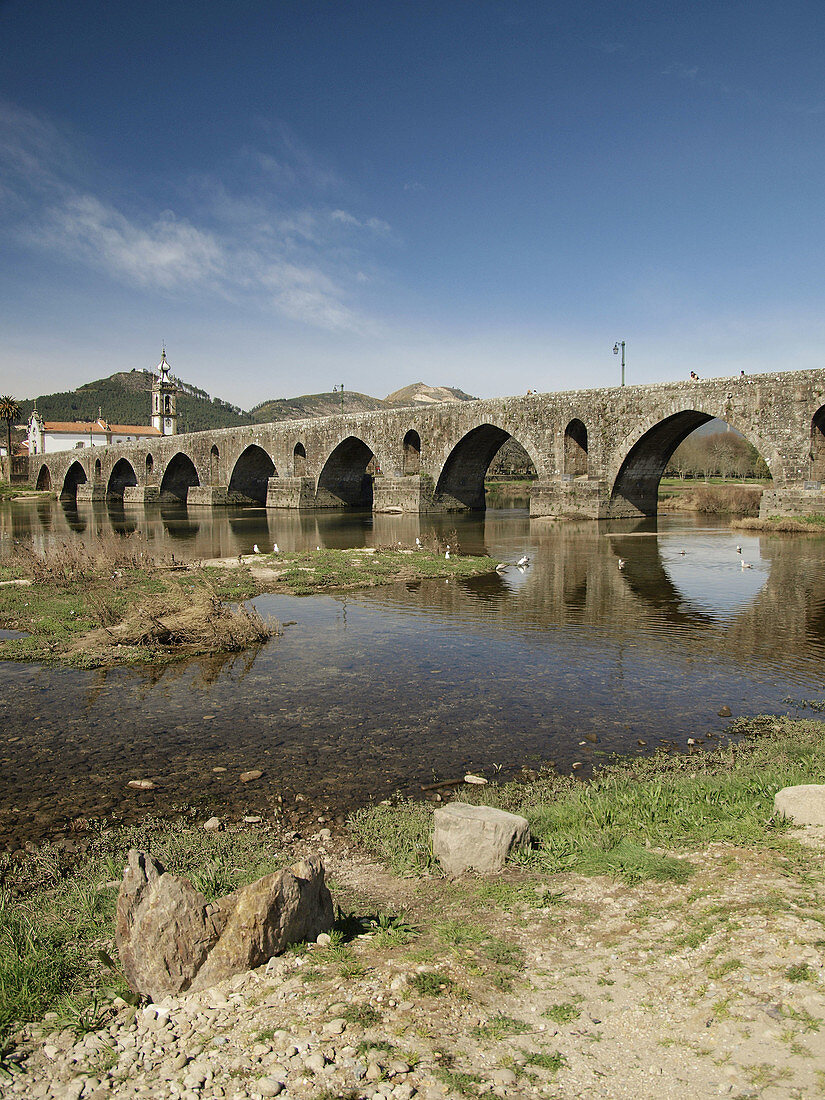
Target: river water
{"x": 366, "y": 693}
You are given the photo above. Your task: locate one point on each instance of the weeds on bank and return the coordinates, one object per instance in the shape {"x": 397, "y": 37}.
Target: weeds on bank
{"x": 303, "y": 573}
{"x": 500, "y": 1026}
{"x": 57, "y": 923}
{"x": 118, "y": 601}
{"x": 616, "y": 823}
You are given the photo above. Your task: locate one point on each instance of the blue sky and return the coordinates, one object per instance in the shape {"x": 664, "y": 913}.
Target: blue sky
{"x": 294, "y": 194}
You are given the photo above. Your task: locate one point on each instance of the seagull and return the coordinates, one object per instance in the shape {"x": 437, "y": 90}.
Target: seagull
{"x": 275, "y": 549}
{"x": 738, "y": 549}
{"x": 523, "y": 561}
{"x": 502, "y": 565}
{"x": 447, "y": 554}
{"x": 683, "y": 552}
{"x": 255, "y": 549}
{"x": 621, "y": 563}
{"x": 418, "y": 544}
{"x": 746, "y": 565}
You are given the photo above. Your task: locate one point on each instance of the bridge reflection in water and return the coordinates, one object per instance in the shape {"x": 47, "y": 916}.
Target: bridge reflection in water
{"x": 374, "y": 690}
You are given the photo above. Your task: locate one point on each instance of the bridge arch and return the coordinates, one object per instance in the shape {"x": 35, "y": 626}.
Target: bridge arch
{"x": 412, "y": 452}
{"x": 635, "y": 487}
{"x": 299, "y": 460}
{"x": 98, "y": 470}
{"x": 250, "y": 476}
{"x": 575, "y": 449}
{"x": 44, "y": 479}
{"x": 179, "y": 474}
{"x": 344, "y": 481}
{"x": 122, "y": 476}
{"x": 150, "y": 466}
{"x": 817, "y": 455}
{"x": 75, "y": 475}
{"x": 460, "y": 485}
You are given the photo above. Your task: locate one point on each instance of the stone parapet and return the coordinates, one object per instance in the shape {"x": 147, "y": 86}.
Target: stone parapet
{"x": 207, "y": 496}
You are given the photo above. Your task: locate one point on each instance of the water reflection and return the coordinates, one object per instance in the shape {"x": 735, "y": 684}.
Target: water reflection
{"x": 378, "y": 689}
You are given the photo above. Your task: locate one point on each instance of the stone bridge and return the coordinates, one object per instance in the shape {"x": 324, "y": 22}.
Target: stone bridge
{"x": 597, "y": 453}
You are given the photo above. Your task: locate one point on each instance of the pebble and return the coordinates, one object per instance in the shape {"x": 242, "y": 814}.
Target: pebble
{"x": 253, "y": 773}
{"x": 213, "y": 825}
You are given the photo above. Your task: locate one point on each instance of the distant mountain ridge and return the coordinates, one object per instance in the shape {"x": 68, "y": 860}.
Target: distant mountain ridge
{"x": 123, "y": 398}
{"x": 419, "y": 393}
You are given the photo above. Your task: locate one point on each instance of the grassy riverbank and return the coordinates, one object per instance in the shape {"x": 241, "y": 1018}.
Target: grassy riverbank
{"x": 636, "y": 822}
{"x": 785, "y": 525}
{"x": 710, "y": 498}
{"x": 118, "y": 602}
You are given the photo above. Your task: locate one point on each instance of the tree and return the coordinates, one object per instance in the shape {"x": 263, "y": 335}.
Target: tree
{"x": 9, "y": 411}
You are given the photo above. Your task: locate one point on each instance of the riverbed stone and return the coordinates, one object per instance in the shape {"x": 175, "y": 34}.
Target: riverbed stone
{"x": 170, "y": 939}
{"x": 803, "y": 804}
{"x": 477, "y": 838}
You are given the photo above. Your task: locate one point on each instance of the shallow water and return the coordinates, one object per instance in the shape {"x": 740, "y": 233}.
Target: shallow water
{"x": 368, "y": 692}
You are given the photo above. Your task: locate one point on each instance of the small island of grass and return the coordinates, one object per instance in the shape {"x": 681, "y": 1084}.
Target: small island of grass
{"x": 118, "y": 602}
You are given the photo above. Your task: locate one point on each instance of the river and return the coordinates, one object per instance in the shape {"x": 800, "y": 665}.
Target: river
{"x": 365, "y": 693}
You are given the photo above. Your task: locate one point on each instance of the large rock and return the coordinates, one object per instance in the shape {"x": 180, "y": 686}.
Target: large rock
{"x": 476, "y": 838}
{"x": 170, "y": 938}
{"x": 804, "y": 804}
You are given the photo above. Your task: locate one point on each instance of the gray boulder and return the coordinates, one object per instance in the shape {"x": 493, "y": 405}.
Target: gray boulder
{"x": 804, "y": 804}
{"x": 476, "y": 838}
{"x": 170, "y": 938}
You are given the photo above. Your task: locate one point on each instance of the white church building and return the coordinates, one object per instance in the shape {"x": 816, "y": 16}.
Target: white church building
{"x": 48, "y": 436}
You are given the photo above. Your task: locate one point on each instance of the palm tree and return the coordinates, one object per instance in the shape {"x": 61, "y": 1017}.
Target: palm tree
{"x": 9, "y": 411}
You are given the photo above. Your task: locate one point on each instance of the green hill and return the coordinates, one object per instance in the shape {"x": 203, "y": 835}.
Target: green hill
{"x": 124, "y": 399}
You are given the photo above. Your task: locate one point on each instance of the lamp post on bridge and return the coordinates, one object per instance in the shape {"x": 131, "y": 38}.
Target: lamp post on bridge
{"x": 616, "y": 347}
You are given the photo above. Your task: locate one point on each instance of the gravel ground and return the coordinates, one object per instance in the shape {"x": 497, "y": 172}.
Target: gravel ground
{"x": 511, "y": 986}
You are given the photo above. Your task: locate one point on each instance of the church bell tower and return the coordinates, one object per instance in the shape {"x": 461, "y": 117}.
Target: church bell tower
{"x": 164, "y": 400}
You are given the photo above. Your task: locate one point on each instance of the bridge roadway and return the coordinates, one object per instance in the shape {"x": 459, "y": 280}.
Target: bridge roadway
{"x": 598, "y": 453}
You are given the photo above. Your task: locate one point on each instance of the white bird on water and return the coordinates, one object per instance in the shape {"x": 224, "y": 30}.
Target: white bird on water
{"x": 738, "y": 549}
{"x": 255, "y": 549}
{"x": 622, "y": 563}
{"x": 275, "y": 549}
{"x": 502, "y": 565}
{"x": 746, "y": 565}
{"x": 523, "y": 561}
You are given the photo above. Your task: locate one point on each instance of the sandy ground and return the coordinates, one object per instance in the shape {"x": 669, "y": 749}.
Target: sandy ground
{"x": 512, "y": 985}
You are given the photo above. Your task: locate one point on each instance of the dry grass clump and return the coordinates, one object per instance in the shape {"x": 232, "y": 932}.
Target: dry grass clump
{"x": 196, "y": 621}
{"x": 79, "y": 560}
{"x": 786, "y": 525}
{"x": 722, "y": 499}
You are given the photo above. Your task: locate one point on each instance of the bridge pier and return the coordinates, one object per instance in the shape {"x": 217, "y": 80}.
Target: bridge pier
{"x": 579, "y": 496}
{"x": 141, "y": 494}
{"x": 207, "y": 496}
{"x": 793, "y": 500}
{"x": 290, "y": 492}
{"x": 91, "y": 491}
{"x": 399, "y": 494}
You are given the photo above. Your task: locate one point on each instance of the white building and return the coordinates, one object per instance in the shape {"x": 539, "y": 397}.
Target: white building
{"x": 47, "y": 436}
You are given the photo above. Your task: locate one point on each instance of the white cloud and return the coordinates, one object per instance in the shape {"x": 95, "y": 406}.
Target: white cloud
{"x": 255, "y": 245}
{"x": 167, "y": 253}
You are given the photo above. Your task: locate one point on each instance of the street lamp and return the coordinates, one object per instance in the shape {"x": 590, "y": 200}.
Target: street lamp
{"x": 616, "y": 352}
